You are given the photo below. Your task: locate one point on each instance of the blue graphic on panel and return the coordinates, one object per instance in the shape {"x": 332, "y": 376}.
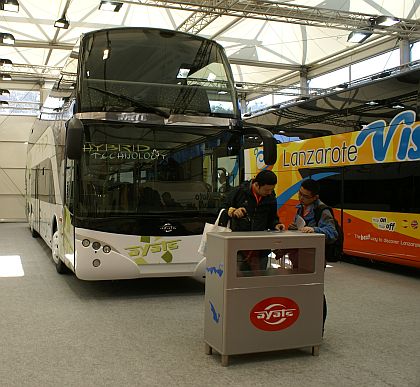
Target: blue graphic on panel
{"x": 286, "y": 195}
{"x": 216, "y": 316}
{"x": 215, "y": 270}
{"x": 381, "y": 139}
{"x": 259, "y": 156}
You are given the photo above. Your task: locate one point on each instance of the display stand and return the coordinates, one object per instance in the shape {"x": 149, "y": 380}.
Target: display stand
{"x": 249, "y": 308}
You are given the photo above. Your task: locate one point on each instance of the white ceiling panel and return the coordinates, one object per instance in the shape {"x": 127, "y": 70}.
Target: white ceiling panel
{"x": 255, "y": 74}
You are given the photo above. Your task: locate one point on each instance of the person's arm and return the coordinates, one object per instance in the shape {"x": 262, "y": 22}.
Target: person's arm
{"x": 229, "y": 206}
{"x": 273, "y": 222}
{"x": 232, "y": 207}
{"x": 280, "y": 226}
{"x": 229, "y": 199}
{"x": 293, "y": 226}
{"x": 326, "y": 226}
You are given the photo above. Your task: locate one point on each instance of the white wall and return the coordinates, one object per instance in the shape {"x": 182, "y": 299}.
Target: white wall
{"x": 14, "y": 132}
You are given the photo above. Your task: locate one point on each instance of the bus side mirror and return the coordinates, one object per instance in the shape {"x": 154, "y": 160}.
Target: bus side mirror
{"x": 269, "y": 143}
{"x": 74, "y": 139}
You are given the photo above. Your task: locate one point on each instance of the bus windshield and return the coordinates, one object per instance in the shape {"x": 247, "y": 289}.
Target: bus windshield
{"x": 124, "y": 72}
{"x": 138, "y": 169}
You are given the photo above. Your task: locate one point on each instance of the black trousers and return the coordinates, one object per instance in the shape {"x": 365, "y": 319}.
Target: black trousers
{"x": 252, "y": 260}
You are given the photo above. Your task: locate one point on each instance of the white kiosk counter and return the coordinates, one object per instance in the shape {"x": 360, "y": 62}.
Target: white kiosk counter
{"x": 257, "y": 307}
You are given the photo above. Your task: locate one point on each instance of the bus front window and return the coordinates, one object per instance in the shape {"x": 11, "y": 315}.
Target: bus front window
{"x": 137, "y": 170}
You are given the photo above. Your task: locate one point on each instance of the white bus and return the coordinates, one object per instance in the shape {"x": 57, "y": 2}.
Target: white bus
{"x": 146, "y": 141}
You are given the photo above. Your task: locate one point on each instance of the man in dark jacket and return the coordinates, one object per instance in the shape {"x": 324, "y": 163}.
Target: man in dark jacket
{"x": 252, "y": 207}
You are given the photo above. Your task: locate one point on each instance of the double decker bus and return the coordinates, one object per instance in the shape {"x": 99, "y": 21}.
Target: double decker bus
{"x": 146, "y": 141}
{"x": 372, "y": 179}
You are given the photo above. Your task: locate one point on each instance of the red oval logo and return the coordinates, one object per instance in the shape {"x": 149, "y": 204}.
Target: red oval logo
{"x": 274, "y": 314}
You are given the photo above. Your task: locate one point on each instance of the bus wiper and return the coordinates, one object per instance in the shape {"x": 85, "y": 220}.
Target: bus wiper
{"x": 148, "y": 108}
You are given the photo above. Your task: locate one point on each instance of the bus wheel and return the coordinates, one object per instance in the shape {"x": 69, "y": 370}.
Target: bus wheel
{"x": 59, "y": 264}
{"x": 33, "y": 232}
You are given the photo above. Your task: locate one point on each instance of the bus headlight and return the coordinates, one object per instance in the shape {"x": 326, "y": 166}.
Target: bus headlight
{"x": 85, "y": 242}
{"x": 96, "y": 245}
{"x": 106, "y": 249}
{"x": 96, "y": 262}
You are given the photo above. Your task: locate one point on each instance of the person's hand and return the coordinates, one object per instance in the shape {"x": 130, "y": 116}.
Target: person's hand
{"x": 239, "y": 212}
{"x": 280, "y": 227}
{"x": 292, "y": 226}
{"x": 307, "y": 229}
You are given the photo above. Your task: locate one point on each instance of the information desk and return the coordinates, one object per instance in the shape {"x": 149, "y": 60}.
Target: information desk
{"x": 264, "y": 292}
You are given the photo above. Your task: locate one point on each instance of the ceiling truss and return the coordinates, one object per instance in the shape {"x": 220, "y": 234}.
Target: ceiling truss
{"x": 280, "y": 12}
{"x": 204, "y": 12}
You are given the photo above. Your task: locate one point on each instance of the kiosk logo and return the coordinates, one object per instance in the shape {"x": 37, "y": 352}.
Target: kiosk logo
{"x": 274, "y": 313}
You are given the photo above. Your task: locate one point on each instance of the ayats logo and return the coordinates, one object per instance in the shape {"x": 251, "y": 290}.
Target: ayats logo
{"x": 274, "y": 314}
{"x": 147, "y": 248}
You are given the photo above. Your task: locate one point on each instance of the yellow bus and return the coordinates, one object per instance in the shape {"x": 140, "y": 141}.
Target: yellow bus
{"x": 370, "y": 177}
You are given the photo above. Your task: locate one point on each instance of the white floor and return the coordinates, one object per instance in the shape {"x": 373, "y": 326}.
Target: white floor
{"x": 59, "y": 331}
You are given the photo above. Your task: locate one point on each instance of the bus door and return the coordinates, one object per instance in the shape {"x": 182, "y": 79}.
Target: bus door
{"x": 42, "y": 196}
{"x": 35, "y": 215}
{"x": 68, "y": 213}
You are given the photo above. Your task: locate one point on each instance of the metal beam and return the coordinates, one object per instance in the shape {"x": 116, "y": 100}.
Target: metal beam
{"x": 38, "y": 44}
{"x": 7, "y": 19}
{"x": 271, "y": 65}
{"x": 201, "y": 19}
{"x": 263, "y": 10}
{"x": 35, "y": 73}
{"x": 289, "y": 13}
{"x": 246, "y": 88}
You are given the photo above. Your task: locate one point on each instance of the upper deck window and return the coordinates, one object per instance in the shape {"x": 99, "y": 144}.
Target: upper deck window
{"x": 153, "y": 71}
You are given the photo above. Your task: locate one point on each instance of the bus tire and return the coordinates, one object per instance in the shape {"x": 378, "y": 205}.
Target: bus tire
{"x": 31, "y": 226}
{"x": 61, "y": 267}
{"x": 59, "y": 264}
{"x": 34, "y": 232}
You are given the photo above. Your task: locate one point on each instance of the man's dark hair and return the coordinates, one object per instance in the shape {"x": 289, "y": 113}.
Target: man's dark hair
{"x": 312, "y": 186}
{"x": 266, "y": 177}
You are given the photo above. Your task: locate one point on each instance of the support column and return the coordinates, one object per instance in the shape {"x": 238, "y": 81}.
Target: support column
{"x": 242, "y": 102}
{"x": 405, "y": 54}
{"x": 304, "y": 89}
{"x": 44, "y": 91}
